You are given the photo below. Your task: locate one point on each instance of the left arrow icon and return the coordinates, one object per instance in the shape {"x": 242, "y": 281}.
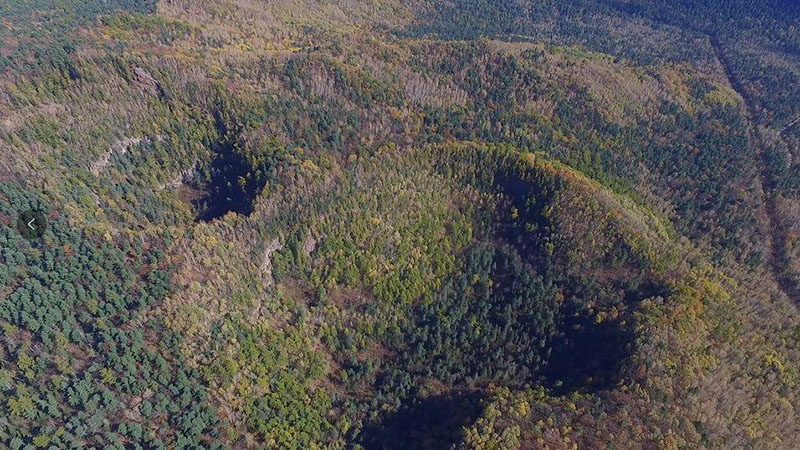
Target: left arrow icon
{"x": 31, "y": 224}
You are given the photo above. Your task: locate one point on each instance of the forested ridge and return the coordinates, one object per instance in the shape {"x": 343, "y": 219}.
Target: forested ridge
{"x": 466, "y": 224}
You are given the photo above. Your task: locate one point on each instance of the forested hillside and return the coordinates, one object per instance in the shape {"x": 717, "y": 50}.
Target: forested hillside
{"x": 466, "y": 224}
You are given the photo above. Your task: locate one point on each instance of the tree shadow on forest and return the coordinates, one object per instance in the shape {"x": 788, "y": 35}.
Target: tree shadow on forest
{"x": 587, "y": 355}
{"x": 230, "y": 181}
{"x": 431, "y": 423}
{"x": 591, "y": 356}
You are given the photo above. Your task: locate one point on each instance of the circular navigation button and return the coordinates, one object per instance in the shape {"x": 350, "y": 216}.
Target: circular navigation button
{"x": 31, "y": 224}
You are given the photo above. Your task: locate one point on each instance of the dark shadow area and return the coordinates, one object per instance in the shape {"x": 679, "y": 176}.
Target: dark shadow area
{"x": 587, "y": 355}
{"x": 432, "y": 423}
{"x": 521, "y": 220}
{"x": 232, "y": 179}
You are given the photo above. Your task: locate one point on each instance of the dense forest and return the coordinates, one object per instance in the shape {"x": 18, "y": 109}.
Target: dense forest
{"x": 477, "y": 224}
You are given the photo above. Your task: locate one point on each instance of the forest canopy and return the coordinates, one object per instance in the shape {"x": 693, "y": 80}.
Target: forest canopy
{"x": 375, "y": 225}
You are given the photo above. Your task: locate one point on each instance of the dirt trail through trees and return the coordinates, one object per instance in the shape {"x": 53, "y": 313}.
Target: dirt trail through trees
{"x": 778, "y": 255}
